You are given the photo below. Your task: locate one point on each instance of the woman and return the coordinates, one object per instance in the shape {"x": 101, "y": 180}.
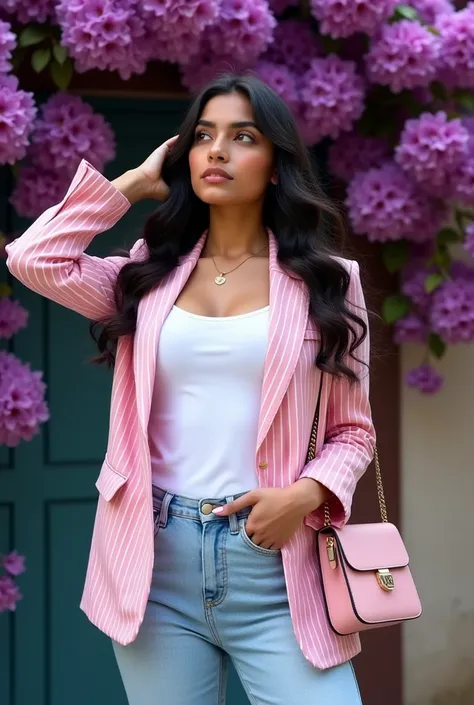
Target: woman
{"x": 228, "y": 322}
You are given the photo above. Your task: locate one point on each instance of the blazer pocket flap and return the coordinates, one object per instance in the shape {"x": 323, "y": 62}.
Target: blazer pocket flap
{"x": 109, "y": 481}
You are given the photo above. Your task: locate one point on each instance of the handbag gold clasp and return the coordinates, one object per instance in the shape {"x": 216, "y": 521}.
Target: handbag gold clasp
{"x": 331, "y": 551}
{"x": 385, "y": 579}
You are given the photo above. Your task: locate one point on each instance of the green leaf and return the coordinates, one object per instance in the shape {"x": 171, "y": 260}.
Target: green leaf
{"x": 436, "y": 345}
{"x": 60, "y": 53}
{"x": 432, "y": 282}
{"x": 62, "y": 73}
{"x": 466, "y": 100}
{"x": 405, "y": 12}
{"x": 395, "y": 307}
{"x": 395, "y": 255}
{"x": 40, "y": 59}
{"x": 32, "y": 35}
{"x": 5, "y": 290}
{"x": 433, "y": 30}
{"x": 447, "y": 236}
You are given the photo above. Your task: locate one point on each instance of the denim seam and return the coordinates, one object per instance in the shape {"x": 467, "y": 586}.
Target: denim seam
{"x": 225, "y": 572}
{"x": 211, "y": 623}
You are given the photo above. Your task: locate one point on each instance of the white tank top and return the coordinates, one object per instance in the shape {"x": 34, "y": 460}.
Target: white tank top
{"x": 206, "y": 402}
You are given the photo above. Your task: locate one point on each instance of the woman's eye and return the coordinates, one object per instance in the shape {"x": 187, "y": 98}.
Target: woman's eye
{"x": 245, "y": 137}
{"x": 200, "y": 136}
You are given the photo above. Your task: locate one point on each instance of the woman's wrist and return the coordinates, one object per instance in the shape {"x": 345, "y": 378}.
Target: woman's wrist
{"x": 309, "y": 494}
{"x": 131, "y": 184}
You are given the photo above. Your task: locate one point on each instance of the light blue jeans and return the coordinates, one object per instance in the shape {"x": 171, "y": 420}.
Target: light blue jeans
{"x": 215, "y": 595}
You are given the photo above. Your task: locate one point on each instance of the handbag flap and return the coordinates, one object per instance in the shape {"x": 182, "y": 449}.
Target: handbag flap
{"x": 371, "y": 546}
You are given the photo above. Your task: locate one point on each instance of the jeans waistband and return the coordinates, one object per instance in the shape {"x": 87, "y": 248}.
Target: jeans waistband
{"x": 169, "y": 504}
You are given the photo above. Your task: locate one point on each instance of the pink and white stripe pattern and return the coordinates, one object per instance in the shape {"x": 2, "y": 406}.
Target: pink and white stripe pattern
{"x": 49, "y": 258}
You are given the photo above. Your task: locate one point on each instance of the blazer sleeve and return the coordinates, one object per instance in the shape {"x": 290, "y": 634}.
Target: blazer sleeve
{"x": 349, "y": 442}
{"x": 49, "y": 257}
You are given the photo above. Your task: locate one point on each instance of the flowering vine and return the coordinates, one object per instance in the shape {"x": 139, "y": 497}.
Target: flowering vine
{"x": 389, "y": 85}
{"x": 13, "y": 565}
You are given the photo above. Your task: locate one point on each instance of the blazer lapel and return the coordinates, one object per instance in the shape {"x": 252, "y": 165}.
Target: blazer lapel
{"x": 289, "y": 308}
{"x": 152, "y": 311}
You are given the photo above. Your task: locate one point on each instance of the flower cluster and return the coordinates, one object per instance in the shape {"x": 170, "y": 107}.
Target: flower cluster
{"x": 67, "y": 131}
{"x": 404, "y": 55}
{"x": 17, "y": 113}
{"x": 341, "y": 19}
{"x": 13, "y": 565}
{"x": 22, "y": 404}
{"x": 7, "y": 44}
{"x": 27, "y": 11}
{"x": 431, "y": 148}
{"x": 457, "y": 47}
{"x": 385, "y": 205}
{"x": 13, "y": 317}
{"x": 105, "y": 34}
{"x": 353, "y": 152}
{"x": 332, "y": 96}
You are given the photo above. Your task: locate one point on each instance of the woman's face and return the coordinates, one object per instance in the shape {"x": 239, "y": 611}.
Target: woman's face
{"x": 231, "y": 162}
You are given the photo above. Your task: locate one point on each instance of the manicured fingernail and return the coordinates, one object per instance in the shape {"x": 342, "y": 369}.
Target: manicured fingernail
{"x": 218, "y": 510}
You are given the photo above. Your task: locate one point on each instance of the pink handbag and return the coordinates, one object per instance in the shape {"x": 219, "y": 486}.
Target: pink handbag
{"x": 364, "y": 569}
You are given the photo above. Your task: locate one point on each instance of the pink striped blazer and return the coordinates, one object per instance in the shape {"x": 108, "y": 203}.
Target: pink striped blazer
{"x": 49, "y": 258}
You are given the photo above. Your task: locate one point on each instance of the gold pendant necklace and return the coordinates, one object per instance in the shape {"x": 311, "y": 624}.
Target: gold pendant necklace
{"x": 222, "y": 276}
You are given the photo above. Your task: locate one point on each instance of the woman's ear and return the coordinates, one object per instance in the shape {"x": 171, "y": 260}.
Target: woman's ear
{"x": 274, "y": 178}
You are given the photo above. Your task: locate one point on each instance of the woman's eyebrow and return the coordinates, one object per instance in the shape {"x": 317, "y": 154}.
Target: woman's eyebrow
{"x": 242, "y": 123}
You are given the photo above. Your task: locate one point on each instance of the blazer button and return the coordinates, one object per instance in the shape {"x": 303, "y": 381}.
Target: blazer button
{"x": 263, "y": 465}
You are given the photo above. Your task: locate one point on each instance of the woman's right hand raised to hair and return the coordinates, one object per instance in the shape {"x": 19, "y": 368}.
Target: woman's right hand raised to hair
{"x": 145, "y": 181}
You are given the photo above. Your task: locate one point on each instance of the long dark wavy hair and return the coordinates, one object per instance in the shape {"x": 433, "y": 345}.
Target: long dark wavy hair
{"x": 302, "y": 218}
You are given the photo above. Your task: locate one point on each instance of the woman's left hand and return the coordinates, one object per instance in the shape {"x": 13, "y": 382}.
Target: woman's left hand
{"x": 277, "y": 512}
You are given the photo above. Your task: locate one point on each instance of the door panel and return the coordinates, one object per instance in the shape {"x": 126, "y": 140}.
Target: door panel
{"x": 49, "y": 653}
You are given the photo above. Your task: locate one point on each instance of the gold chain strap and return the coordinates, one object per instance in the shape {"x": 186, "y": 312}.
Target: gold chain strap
{"x": 378, "y": 473}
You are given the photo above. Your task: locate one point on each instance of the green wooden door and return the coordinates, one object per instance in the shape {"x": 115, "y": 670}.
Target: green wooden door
{"x": 49, "y": 653}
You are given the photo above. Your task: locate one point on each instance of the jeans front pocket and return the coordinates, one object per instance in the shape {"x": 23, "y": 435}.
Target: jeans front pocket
{"x": 257, "y": 549}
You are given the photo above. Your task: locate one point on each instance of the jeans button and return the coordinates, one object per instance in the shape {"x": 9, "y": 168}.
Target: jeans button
{"x": 207, "y": 508}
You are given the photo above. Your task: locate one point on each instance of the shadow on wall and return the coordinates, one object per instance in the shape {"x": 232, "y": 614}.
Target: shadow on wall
{"x": 452, "y": 670}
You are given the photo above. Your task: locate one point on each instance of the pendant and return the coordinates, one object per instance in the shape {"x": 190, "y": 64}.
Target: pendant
{"x": 220, "y": 279}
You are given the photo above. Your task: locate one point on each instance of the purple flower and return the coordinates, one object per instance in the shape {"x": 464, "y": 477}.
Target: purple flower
{"x": 13, "y": 317}
{"x": 462, "y": 179}
{"x": 341, "y": 18}
{"x": 469, "y": 242}
{"x": 9, "y": 594}
{"x": 179, "y": 24}
{"x": 22, "y": 404}
{"x": 294, "y": 45}
{"x": 106, "y": 34}
{"x": 17, "y": 113}
{"x": 332, "y": 96}
{"x": 245, "y": 30}
{"x": 14, "y": 564}
{"x": 281, "y": 80}
{"x": 452, "y": 310}
{"x": 404, "y": 55}
{"x": 412, "y": 328}
{"x": 352, "y": 152}
{"x": 413, "y": 277}
{"x": 425, "y": 378}
{"x": 385, "y": 205}
{"x": 27, "y": 11}
{"x": 430, "y": 10}
{"x": 37, "y": 189}
{"x": 431, "y": 147}
{"x": 7, "y": 44}
{"x": 457, "y": 47}
{"x": 68, "y": 131}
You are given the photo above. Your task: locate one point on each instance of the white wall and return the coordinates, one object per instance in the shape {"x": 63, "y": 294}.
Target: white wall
{"x": 438, "y": 528}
